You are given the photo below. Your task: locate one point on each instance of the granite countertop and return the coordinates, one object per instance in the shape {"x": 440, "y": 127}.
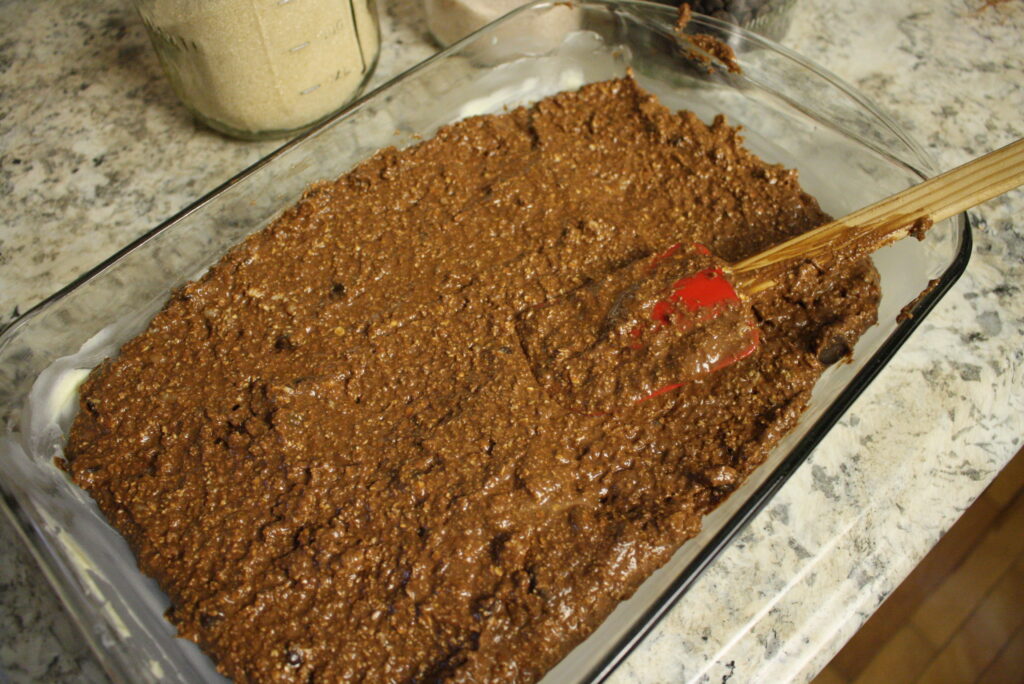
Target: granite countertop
{"x": 96, "y": 150}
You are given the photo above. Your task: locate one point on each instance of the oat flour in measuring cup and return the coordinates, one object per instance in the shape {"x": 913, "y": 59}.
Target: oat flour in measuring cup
{"x": 263, "y": 68}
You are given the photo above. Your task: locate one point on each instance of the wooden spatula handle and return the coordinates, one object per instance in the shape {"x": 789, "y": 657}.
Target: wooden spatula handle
{"x": 873, "y": 227}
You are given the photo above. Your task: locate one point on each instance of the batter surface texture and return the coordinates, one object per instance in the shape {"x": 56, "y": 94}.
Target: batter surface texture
{"x": 330, "y": 450}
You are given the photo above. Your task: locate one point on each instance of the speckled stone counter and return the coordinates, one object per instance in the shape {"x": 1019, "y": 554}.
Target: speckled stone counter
{"x": 96, "y": 150}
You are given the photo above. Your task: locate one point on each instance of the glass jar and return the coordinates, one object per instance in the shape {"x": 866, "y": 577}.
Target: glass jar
{"x": 450, "y": 20}
{"x": 257, "y": 69}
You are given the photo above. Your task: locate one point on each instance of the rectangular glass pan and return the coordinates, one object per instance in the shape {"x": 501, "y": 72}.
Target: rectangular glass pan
{"x": 793, "y": 113}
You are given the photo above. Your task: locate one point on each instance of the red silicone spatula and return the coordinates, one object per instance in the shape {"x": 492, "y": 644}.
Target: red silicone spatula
{"x": 655, "y": 325}
{"x": 639, "y": 332}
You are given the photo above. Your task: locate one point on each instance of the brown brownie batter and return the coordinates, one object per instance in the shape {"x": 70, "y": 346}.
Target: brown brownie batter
{"x": 331, "y": 451}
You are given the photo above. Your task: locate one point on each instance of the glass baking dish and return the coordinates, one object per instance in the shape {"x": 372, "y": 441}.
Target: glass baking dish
{"x": 793, "y": 113}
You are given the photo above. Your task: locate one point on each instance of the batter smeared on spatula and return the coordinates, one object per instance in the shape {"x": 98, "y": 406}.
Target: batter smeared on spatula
{"x": 643, "y": 331}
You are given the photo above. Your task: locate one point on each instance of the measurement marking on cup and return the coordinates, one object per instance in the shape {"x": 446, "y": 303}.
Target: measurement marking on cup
{"x": 359, "y": 42}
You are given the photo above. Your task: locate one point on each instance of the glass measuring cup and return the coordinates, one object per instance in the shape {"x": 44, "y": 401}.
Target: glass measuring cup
{"x": 256, "y": 69}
